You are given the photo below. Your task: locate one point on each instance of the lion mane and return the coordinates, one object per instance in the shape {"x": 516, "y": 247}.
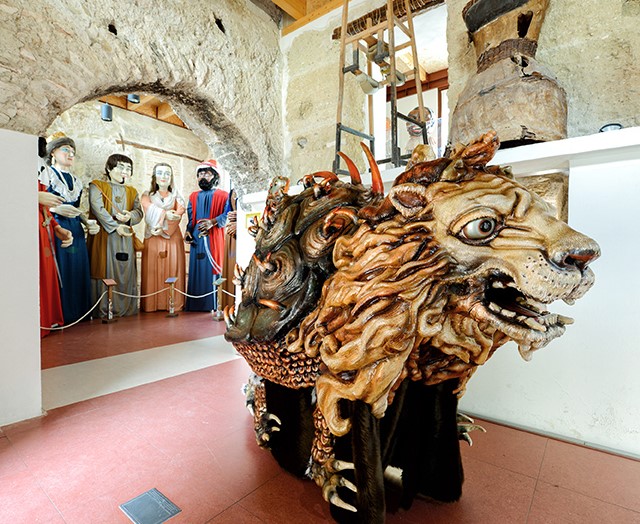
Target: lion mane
{"x": 355, "y": 302}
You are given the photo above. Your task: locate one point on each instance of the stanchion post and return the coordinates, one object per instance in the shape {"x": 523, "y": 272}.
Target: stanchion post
{"x": 110, "y": 283}
{"x": 217, "y": 315}
{"x": 172, "y": 284}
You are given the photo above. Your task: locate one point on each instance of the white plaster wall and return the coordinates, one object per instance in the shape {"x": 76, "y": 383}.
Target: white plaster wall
{"x": 583, "y": 387}
{"x": 20, "y": 392}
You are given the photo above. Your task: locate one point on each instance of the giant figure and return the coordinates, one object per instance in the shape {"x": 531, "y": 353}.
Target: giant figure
{"x": 73, "y": 262}
{"x": 207, "y": 213}
{"x": 364, "y": 316}
{"x": 49, "y": 231}
{"x": 116, "y": 206}
{"x": 163, "y": 254}
{"x": 228, "y": 267}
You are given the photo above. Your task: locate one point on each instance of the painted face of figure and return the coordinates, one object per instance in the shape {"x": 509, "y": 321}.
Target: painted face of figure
{"x": 62, "y": 157}
{"x": 121, "y": 173}
{"x": 163, "y": 177}
{"x": 207, "y": 178}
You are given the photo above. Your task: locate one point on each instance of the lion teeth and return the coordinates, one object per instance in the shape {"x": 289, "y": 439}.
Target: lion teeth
{"x": 549, "y": 319}
{"x": 534, "y": 324}
{"x": 494, "y": 307}
{"x": 498, "y": 284}
{"x": 565, "y": 320}
{"x": 512, "y": 284}
{"x": 525, "y": 352}
{"x": 569, "y": 301}
{"x": 504, "y": 312}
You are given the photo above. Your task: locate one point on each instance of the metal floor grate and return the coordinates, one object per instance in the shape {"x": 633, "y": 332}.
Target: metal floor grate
{"x": 152, "y": 507}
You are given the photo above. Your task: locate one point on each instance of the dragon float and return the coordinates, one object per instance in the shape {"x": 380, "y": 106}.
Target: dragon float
{"x": 363, "y": 316}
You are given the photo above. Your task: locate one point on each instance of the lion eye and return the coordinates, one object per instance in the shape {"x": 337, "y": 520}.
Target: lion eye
{"x": 479, "y": 229}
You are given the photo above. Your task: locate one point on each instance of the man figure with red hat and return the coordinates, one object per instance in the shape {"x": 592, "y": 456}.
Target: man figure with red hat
{"x": 207, "y": 211}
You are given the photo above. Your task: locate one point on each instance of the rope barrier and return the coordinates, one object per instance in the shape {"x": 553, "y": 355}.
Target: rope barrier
{"x": 141, "y": 296}
{"x": 60, "y": 328}
{"x": 195, "y": 296}
{"x": 57, "y": 328}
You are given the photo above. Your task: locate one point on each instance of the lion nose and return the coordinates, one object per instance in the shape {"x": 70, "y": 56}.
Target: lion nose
{"x": 576, "y": 254}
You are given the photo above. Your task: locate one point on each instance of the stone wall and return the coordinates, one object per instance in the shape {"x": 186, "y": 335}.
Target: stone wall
{"x": 591, "y": 46}
{"x": 218, "y": 64}
{"x": 143, "y": 139}
{"x": 312, "y": 61}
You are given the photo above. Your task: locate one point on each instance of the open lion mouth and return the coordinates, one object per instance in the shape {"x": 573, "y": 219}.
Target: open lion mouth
{"x": 525, "y": 320}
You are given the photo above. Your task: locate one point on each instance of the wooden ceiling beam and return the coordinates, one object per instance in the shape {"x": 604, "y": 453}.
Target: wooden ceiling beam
{"x": 321, "y": 11}
{"x": 296, "y": 9}
{"x": 115, "y": 100}
{"x": 149, "y": 106}
{"x": 164, "y": 111}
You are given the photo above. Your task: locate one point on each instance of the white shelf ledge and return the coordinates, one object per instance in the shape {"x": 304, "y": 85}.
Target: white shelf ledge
{"x": 611, "y": 146}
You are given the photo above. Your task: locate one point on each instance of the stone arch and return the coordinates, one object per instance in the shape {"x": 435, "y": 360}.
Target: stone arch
{"x": 207, "y": 121}
{"x": 222, "y": 78}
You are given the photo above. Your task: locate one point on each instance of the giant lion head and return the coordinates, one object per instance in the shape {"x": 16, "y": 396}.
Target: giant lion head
{"x": 457, "y": 260}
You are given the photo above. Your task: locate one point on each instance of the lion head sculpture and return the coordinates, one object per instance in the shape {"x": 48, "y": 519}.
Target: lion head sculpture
{"x": 352, "y": 294}
{"x": 457, "y": 260}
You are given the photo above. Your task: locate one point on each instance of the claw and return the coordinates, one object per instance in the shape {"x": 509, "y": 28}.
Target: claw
{"x": 461, "y": 417}
{"x": 335, "y": 499}
{"x": 270, "y": 417}
{"x": 268, "y": 424}
{"x": 465, "y": 425}
{"x": 335, "y": 465}
{"x": 330, "y": 492}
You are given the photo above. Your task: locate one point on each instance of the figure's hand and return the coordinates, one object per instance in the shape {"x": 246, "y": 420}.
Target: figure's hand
{"x": 66, "y": 210}
{"x": 232, "y": 217}
{"x": 205, "y": 225}
{"x": 188, "y": 237}
{"x": 156, "y": 231}
{"x": 232, "y": 228}
{"x": 123, "y": 217}
{"x": 92, "y": 227}
{"x": 172, "y": 215}
{"x": 124, "y": 230}
{"x": 47, "y": 199}
{"x": 64, "y": 235}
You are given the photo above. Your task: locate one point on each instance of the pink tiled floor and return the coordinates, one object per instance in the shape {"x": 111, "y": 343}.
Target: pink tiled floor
{"x": 190, "y": 437}
{"x": 92, "y": 339}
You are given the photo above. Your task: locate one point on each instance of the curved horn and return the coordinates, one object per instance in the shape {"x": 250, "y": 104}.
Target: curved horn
{"x": 376, "y": 180}
{"x": 264, "y": 265}
{"x": 353, "y": 170}
{"x": 327, "y": 175}
{"x": 345, "y": 212}
{"x": 229, "y": 315}
{"x": 271, "y": 304}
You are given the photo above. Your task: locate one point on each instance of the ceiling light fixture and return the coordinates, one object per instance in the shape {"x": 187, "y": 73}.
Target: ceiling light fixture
{"x": 106, "y": 112}
{"x": 134, "y": 99}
